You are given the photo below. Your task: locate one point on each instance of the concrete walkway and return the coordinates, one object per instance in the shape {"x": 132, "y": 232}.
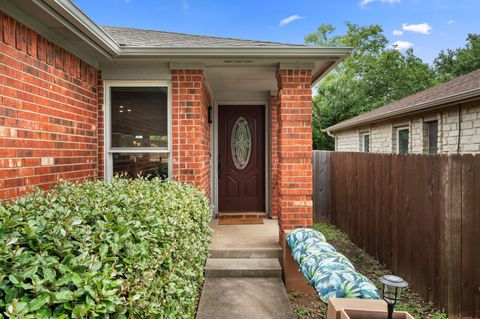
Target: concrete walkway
{"x": 243, "y": 274}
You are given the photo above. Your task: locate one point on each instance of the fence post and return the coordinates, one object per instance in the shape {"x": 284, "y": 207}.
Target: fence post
{"x": 453, "y": 236}
{"x": 321, "y": 186}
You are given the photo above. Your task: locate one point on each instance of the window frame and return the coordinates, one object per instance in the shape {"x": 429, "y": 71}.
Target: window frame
{"x": 402, "y": 128}
{"x": 362, "y": 136}
{"x": 107, "y": 129}
{"x": 428, "y": 124}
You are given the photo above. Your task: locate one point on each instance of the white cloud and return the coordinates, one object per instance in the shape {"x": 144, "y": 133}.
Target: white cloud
{"x": 402, "y": 45}
{"x": 289, "y": 19}
{"x": 451, "y": 21}
{"x": 397, "y": 32}
{"x": 367, "y": 2}
{"x": 423, "y": 28}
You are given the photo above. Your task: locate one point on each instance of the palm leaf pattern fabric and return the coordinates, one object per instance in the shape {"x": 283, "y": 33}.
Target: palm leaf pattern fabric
{"x": 344, "y": 284}
{"x": 309, "y": 247}
{"x": 330, "y": 272}
{"x": 301, "y": 234}
{"x": 324, "y": 262}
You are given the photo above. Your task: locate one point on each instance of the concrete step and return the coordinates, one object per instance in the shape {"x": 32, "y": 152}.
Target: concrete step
{"x": 242, "y": 267}
{"x": 246, "y": 253}
{"x": 244, "y": 298}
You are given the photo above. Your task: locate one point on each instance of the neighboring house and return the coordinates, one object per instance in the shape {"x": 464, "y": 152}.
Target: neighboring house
{"x": 444, "y": 119}
{"x": 231, "y": 116}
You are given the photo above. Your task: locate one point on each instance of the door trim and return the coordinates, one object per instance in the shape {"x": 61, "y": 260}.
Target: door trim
{"x": 214, "y": 150}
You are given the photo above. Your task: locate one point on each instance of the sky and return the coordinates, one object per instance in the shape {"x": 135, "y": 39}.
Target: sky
{"x": 426, "y": 25}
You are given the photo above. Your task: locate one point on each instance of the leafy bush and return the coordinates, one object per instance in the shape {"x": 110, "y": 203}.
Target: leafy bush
{"x": 124, "y": 249}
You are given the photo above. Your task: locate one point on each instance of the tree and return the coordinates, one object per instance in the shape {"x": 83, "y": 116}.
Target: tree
{"x": 453, "y": 63}
{"x": 373, "y": 75}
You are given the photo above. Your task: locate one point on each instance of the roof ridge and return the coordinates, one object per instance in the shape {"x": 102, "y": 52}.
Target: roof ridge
{"x": 201, "y": 36}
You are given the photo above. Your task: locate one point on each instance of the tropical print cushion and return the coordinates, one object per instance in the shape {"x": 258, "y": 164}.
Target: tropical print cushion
{"x": 309, "y": 247}
{"x": 344, "y": 284}
{"x": 300, "y": 234}
{"x": 324, "y": 262}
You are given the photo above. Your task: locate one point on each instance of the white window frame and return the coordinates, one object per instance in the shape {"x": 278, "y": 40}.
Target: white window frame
{"x": 109, "y": 150}
{"x": 362, "y": 136}
{"x": 398, "y": 138}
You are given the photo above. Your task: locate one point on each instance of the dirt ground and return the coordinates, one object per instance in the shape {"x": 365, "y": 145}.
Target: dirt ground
{"x": 306, "y": 307}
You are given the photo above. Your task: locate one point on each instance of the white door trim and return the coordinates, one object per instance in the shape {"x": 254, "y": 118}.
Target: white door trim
{"x": 214, "y": 160}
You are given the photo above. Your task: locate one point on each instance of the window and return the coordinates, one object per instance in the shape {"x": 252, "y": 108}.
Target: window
{"x": 365, "y": 142}
{"x": 432, "y": 137}
{"x": 137, "y": 130}
{"x": 402, "y": 140}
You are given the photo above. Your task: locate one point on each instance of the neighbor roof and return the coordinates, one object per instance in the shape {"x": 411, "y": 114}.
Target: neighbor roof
{"x": 152, "y": 38}
{"x": 461, "y": 88}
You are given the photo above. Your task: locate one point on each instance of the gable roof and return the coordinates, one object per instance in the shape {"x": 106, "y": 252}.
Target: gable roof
{"x": 461, "y": 88}
{"x": 152, "y": 38}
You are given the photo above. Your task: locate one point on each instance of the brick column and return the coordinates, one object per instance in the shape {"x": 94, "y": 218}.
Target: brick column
{"x": 274, "y": 154}
{"x": 191, "y": 130}
{"x": 295, "y": 185}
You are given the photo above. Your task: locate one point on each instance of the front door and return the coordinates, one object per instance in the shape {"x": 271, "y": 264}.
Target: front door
{"x": 241, "y": 159}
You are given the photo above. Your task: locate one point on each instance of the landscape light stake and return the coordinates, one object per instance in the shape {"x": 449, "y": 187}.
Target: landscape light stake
{"x": 392, "y": 289}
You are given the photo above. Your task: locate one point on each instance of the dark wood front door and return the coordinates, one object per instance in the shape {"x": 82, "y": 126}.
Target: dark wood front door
{"x": 241, "y": 158}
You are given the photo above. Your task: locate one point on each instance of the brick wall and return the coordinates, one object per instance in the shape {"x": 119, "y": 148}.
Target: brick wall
{"x": 274, "y": 154}
{"x": 383, "y": 134}
{"x": 48, "y": 112}
{"x": 294, "y": 149}
{"x": 100, "y": 127}
{"x": 191, "y": 130}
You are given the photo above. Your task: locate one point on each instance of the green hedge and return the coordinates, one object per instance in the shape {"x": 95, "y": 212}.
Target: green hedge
{"x": 128, "y": 248}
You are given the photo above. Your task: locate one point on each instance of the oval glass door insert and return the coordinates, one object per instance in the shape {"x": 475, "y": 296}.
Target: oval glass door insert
{"x": 241, "y": 143}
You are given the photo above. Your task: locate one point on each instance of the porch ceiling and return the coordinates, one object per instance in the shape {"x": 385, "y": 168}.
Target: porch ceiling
{"x": 251, "y": 78}
{"x": 236, "y": 82}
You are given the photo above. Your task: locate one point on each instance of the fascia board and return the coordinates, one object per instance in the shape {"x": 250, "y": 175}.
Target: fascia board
{"x": 441, "y": 102}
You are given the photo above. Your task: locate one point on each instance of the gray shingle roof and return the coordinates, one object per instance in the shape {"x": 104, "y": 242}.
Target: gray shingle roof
{"x": 151, "y": 38}
{"x": 462, "y": 84}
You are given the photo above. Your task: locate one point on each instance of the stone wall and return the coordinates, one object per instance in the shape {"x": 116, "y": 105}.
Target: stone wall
{"x": 383, "y": 134}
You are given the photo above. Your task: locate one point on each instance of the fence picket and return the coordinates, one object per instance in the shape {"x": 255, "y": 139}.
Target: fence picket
{"x": 418, "y": 214}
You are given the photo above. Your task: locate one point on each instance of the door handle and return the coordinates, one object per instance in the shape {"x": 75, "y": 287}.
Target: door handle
{"x": 220, "y": 166}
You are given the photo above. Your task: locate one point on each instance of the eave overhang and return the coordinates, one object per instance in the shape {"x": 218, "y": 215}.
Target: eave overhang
{"x": 450, "y": 100}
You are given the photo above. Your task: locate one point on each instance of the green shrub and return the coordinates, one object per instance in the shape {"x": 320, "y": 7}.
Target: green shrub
{"x": 124, "y": 249}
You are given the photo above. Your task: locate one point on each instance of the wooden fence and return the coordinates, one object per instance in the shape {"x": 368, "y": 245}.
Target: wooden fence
{"x": 419, "y": 215}
{"x": 321, "y": 185}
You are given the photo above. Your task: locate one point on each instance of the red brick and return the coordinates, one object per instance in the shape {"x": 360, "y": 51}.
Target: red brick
{"x": 46, "y": 112}
{"x": 191, "y": 130}
{"x": 292, "y": 149}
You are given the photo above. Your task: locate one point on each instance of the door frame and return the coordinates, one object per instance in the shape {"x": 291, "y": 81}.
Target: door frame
{"x": 214, "y": 150}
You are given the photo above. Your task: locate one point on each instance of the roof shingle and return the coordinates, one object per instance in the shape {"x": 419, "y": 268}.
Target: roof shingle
{"x": 151, "y": 38}
{"x": 462, "y": 84}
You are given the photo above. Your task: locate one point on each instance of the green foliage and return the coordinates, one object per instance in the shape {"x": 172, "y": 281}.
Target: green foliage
{"x": 302, "y": 312}
{"x": 454, "y": 63}
{"x": 124, "y": 249}
{"x": 373, "y": 75}
{"x": 331, "y": 232}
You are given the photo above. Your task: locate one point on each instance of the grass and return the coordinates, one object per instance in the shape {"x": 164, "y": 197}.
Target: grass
{"x": 307, "y": 307}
